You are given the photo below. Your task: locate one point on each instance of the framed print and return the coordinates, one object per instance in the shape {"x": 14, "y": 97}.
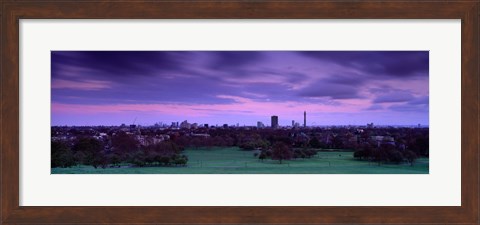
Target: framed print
{"x": 239, "y": 112}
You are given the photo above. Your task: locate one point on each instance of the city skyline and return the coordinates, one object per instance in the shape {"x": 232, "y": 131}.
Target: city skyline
{"x": 230, "y": 87}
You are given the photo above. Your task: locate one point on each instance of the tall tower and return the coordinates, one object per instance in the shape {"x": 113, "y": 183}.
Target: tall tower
{"x": 304, "y": 118}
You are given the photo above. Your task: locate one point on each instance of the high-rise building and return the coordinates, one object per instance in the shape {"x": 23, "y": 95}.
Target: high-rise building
{"x": 274, "y": 121}
{"x": 185, "y": 125}
{"x": 293, "y": 123}
{"x": 260, "y": 124}
{"x": 304, "y": 118}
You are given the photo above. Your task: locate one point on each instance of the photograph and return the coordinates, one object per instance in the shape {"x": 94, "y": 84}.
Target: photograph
{"x": 239, "y": 112}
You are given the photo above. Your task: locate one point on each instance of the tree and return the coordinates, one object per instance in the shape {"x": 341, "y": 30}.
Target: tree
{"x": 180, "y": 160}
{"x": 62, "y": 155}
{"x": 79, "y": 157}
{"x": 123, "y": 143}
{"x": 395, "y": 156}
{"x": 114, "y": 159}
{"x": 421, "y": 146}
{"x": 361, "y": 154}
{"x": 411, "y": 157}
{"x": 93, "y": 150}
{"x": 100, "y": 160}
{"x": 314, "y": 142}
{"x": 165, "y": 160}
{"x": 280, "y": 151}
{"x": 380, "y": 155}
{"x": 138, "y": 158}
{"x": 250, "y": 145}
{"x": 310, "y": 153}
{"x": 262, "y": 156}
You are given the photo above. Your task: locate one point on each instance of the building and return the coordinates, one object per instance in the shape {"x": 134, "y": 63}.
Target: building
{"x": 260, "y": 125}
{"x": 383, "y": 139}
{"x": 274, "y": 121}
{"x": 293, "y": 123}
{"x": 304, "y": 118}
{"x": 174, "y": 125}
{"x": 185, "y": 125}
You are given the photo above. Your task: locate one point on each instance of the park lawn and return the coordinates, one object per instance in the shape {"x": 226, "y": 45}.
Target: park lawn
{"x": 232, "y": 160}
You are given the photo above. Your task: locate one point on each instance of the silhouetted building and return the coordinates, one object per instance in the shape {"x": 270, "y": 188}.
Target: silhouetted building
{"x": 274, "y": 121}
{"x": 260, "y": 125}
{"x": 304, "y": 118}
{"x": 185, "y": 125}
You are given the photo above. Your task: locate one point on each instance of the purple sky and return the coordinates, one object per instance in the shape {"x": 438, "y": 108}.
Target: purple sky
{"x": 217, "y": 87}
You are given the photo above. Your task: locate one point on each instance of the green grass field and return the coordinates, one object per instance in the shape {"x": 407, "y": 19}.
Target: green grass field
{"x": 234, "y": 161}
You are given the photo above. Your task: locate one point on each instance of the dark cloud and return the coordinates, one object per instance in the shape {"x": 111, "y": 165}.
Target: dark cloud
{"x": 417, "y": 104}
{"x": 374, "y": 107}
{"x": 423, "y": 100}
{"x": 350, "y": 79}
{"x": 323, "y": 88}
{"x": 234, "y": 60}
{"x": 142, "y": 76}
{"x": 118, "y": 64}
{"x": 277, "y": 92}
{"x": 199, "y": 77}
{"x": 394, "y": 96}
{"x": 336, "y": 86}
{"x": 377, "y": 63}
{"x": 405, "y": 107}
{"x": 295, "y": 77}
{"x": 152, "y": 90}
{"x": 381, "y": 89}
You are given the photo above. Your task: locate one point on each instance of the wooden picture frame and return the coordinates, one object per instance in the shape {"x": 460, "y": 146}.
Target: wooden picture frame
{"x": 12, "y": 11}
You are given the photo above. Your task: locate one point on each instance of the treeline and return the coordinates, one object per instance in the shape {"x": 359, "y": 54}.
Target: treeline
{"x": 385, "y": 153}
{"x": 124, "y": 149}
{"x": 116, "y": 148}
{"x": 281, "y": 151}
{"x": 414, "y": 139}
